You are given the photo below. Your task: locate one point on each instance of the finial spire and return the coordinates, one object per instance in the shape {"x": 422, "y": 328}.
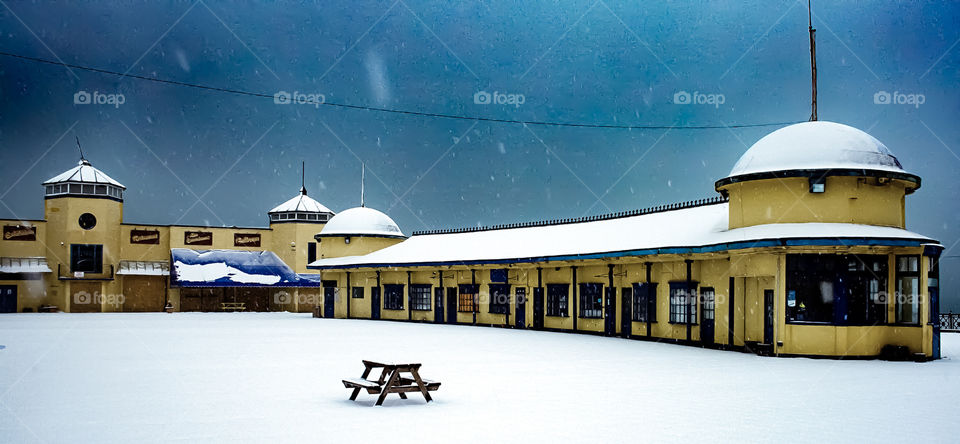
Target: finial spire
{"x": 813, "y": 62}
{"x": 363, "y": 171}
{"x": 303, "y": 169}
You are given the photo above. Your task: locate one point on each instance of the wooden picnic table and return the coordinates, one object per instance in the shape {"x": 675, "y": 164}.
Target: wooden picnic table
{"x": 391, "y": 380}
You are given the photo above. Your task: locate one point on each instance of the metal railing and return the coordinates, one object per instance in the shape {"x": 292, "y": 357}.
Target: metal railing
{"x": 950, "y": 322}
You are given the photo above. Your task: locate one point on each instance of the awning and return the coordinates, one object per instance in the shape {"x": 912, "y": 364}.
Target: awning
{"x": 232, "y": 268}
{"x": 24, "y": 265}
{"x": 144, "y": 268}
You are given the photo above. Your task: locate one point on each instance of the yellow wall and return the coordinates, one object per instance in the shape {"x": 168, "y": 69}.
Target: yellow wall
{"x": 336, "y": 246}
{"x": 858, "y": 200}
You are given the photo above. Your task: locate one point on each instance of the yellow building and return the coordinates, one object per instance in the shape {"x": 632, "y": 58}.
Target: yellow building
{"x": 804, "y": 252}
{"x": 83, "y": 257}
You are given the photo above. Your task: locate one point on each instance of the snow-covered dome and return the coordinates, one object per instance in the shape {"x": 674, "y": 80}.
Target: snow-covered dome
{"x": 300, "y": 208}
{"x": 817, "y": 146}
{"x": 84, "y": 180}
{"x": 361, "y": 221}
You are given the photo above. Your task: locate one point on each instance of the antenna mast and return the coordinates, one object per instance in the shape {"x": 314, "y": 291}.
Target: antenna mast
{"x": 363, "y": 170}
{"x": 82, "y": 159}
{"x": 303, "y": 168}
{"x": 813, "y": 62}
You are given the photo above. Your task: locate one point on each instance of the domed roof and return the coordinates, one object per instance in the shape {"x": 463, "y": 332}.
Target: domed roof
{"x": 817, "y": 146}
{"x": 301, "y": 203}
{"x": 361, "y": 221}
{"x": 84, "y": 172}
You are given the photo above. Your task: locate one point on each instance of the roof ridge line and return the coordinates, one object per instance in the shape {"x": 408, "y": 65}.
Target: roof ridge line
{"x": 609, "y": 216}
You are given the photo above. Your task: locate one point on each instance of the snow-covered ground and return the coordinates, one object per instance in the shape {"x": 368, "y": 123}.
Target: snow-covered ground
{"x": 275, "y": 377}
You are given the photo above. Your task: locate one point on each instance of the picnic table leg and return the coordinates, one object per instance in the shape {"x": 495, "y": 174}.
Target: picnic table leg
{"x": 423, "y": 388}
{"x": 388, "y": 386}
{"x": 356, "y": 391}
{"x": 402, "y": 395}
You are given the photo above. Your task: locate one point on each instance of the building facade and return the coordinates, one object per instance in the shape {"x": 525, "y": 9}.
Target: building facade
{"x": 83, "y": 257}
{"x": 804, "y": 252}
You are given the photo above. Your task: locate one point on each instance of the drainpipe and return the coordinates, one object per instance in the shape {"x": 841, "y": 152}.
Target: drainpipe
{"x": 380, "y": 302}
{"x": 610, "y": 298}
{"x": 650, "y": 301}
{"x": 476, "y": 293}
{"x": 689, "y": 263}
{"x": 543, "y": 297}
{"x": 349, "y": 295}
{"x": 409, "y": 299}
{"x": 506, "y": 316}
{"x": 576, "y": 298}
{"x": 440, "y": 301}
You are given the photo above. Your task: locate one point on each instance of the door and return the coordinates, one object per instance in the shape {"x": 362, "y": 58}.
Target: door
{"x": 438, "y": 305}
{"x": 144, "y": 293}
{"x": 626, "y": 315}
{"x": 610, "y": 312}
{"x": 538, "y": 308}
{"x": 8, "y": 298}
{"x": 85, "y": 297}
{"x": 451, "y": 305}
{"x": 329, "y": 298}
{"x": 707, "y": 310}
{"x": 768, "y": 316}
{"x": 521, "y": 303}
{"x": 375, "y": 303}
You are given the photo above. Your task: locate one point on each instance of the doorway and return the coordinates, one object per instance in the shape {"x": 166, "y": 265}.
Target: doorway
{"x": 8, "y": 298}
{"x": 610, "y": 312}
{"x": 438, "y": 305}
{"x": 329, "y": 298}
{"x": 375, "y": 303}
{"x": 708, "y": 310}
{"x": 768, "y": 317}
{"x": 626, "y": 315}
{"x": 538, "y": 308}
{"x": 521, "y": 303}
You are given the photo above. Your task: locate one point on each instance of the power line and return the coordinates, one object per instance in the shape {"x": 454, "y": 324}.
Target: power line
{"x": 390, "y": 110}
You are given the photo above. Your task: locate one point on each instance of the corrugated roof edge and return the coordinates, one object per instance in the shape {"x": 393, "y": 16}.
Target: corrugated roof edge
{"x": 618, "y": 215}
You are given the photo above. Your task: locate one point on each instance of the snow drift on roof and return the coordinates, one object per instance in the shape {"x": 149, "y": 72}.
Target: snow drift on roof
{"x": 83, "y": 172}
{"x": 232, "y": 268}
{"x": 816, "y": 145}
{"x": 361, "y": 221}
{"x": 679, "y": 229}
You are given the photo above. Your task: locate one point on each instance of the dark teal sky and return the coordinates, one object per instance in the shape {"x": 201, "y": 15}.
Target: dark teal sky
{"x": 579, "y": 61}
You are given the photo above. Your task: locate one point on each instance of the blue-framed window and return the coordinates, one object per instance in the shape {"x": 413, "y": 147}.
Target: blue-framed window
{"x": 645, "y": 302}
{"x": 393, "y": 296}
{"x": 683, "y": 303}
{"x": 591, "y": 300}
{"x": 908, "y": 290}
{"x": 499, "y": 298}
{"x": 420, "y": 296}
{"x": 557, "y": 297}
{"x": 836, "y": 289}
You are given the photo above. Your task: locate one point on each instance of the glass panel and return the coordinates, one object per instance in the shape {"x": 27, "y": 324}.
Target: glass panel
{"x": 75, "y": 188}
{"x": 87, "y": 189}
{"x": 101, "y": 189}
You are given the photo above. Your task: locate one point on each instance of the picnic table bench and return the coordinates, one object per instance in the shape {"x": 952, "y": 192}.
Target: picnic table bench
{"x": 233, "y": 306}
{"x": 391, "y": 380}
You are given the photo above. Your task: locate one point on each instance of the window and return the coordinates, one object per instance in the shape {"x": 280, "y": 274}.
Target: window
{"x": 499, "y": 298}
{"x": 86, "y": 258}
{"x": 557, "y": 296}
{"x": 591, "y": 300}
{"x": 683, "y": 306}
{"x": 836, "y": 289}
{"x": 357, "y": 293}
{"x": 708, "y": 300}
{"x": 393, "y": 296}
{"x": 908, "y": 290}
{"x": 466, "y": 300}
{"x": 420, "y": 297}
{"x": 645, "y": 302}
{"x": 311, "y": 252}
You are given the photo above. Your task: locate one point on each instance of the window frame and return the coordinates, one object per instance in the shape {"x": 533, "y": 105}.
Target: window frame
{"x": 704, "y": 300}
{"x": 591, "y": 305}
{"x": 557, "y": 301}
{"x": 495, "y": 305}
{"x": 899, "y": 276}
{"x": 643, "y": 292}
{"x": 393, "y": 296}
{"x": 688, "y": 313}
{"x": 421, "y": 296}
{"x": 354, "y": 291}
{"x": 467, "y": 298}
{"x": 96, "y": 258}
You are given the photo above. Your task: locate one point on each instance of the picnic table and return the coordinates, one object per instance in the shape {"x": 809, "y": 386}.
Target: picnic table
{"x": 391, "y": 380}
{"x": 233, "y": 306}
